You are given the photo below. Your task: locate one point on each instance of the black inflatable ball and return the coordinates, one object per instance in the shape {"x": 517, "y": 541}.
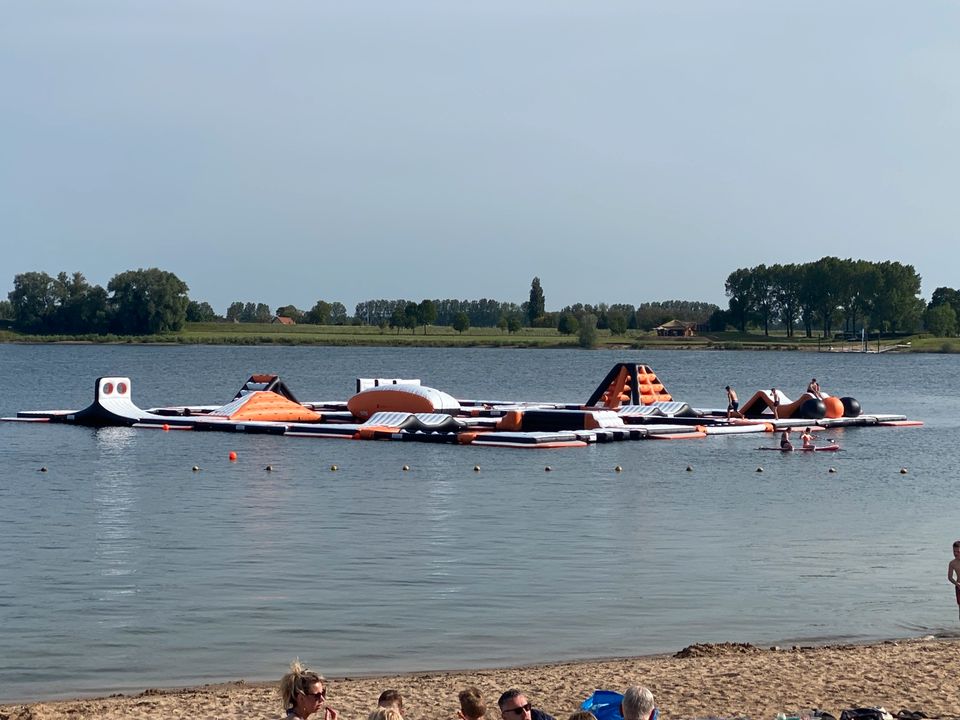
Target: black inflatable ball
{"x": 811, "y": 409}
{"x": 851, "y": 407}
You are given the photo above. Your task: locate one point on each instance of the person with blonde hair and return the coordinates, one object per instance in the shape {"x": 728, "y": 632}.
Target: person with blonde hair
{"x": 303, "y": 692}
{"x": 472, "y": 706}
{"x": 387, "y": 713}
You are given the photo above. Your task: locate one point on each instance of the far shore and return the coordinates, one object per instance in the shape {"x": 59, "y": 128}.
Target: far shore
{"x": 701, "y": 681}
{"x": 255, "y": 334}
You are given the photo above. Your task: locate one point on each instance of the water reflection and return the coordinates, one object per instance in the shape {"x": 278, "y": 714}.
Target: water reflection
{"x": 118, "y": 549}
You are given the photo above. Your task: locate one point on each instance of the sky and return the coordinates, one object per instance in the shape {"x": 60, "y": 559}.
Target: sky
{"x": 623, "y": 152}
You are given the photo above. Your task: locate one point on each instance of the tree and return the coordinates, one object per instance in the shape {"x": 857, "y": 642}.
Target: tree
{"x": 410, "y": 317}
{"x": 32, "y": 301}
{"x": 398, "y": 318}
{"x": 536, "y": 307}
{"x": 426, "y": 314}
{"x": 290, "y": 311}
{"x": 568, "y": 324}
{"x": 319, "y": 314}
{"x": 148, "y": 301}
{"x": 502, "y": 323}
{"x": 234, "y": 312}
{"x": 617, "y": 323}
{"x": 461, "y": 322}
{"x": 588, "y": 332}
{"x": 6, "y": 310}
{"x": 200, "y": 312}
{"x": 338, "y": 313}
{"x": 941, "y": 320}
{"x": 946, "y": 296}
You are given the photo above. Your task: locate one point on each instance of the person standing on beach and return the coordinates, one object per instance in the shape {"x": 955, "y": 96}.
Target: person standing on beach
{"x": 303, "y": 692}
{"x": 638, "y": 704}
{"x": 514, "y": 705}
{"x": 953, "y": 570}
{"x": 733, "y": 403}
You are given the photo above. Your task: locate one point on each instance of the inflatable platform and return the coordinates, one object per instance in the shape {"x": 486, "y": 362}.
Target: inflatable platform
{"x": 630, "y": 403}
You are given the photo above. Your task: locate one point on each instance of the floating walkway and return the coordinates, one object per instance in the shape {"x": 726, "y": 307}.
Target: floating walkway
{"x": 630, "y": 403}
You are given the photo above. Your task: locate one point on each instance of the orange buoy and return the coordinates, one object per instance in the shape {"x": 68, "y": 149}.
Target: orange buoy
{"x": 166, "y": 428}
{"x": 232, "y": 456}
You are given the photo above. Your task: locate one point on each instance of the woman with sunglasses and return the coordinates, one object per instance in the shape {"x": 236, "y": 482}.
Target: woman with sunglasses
{"x": 303, "y": 693}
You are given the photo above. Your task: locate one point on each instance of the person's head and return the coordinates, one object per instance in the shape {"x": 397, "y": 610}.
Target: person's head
{"x": 637, "y": 703}
{"x": 728, "y": 388}
{"x": 956, "y": 549}
{"x": 583, "y": 715}
{"x": 472, "y": 706}
{"x": 514, "y": 705}
{"x": 813, "y": 380}
{"x": 391, "y": 699}
{"x": 388, "y": 713}
{"x": 806, "y": 430}
{"x": 302, "y": 690}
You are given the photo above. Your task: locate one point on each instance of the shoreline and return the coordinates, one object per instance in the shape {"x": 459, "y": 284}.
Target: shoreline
{"x": 699, "y": 681}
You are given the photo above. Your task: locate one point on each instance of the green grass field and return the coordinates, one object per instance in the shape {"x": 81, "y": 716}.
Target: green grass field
{"x": 443, "y": 336}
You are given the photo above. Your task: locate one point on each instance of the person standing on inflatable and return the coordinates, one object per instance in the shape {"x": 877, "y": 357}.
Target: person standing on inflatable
{"x": 814, "y": 389}
{"x": 733, "y": 403}
{"x": 953, "y": 570}
{"x": 776, "y": 403}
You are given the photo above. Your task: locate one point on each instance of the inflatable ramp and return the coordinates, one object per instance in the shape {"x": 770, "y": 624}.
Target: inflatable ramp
{"x": 628, "y": 384}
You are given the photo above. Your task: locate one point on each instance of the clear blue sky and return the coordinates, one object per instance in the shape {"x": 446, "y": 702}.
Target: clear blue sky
{"x": 288, "y": 151}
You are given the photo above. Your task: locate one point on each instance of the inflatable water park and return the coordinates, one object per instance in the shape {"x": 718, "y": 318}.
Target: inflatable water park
{"x": 630, "y": 403}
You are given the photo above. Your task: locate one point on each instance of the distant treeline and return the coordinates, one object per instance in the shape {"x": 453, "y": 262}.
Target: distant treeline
{"x": 832, "y": 294}
{"x": 825, "y": 295}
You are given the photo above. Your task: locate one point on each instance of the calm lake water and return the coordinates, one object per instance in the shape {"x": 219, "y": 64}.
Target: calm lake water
{"x": 121, "y": 569}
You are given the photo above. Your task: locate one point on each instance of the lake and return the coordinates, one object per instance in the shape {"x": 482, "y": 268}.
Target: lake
{"x": 121, "y": 568}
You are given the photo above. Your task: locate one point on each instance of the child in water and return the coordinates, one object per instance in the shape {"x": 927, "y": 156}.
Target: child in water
{"x": 953, "y": 570}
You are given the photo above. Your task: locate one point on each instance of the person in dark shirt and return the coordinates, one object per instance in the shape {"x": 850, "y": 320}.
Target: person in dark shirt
{"x": 514, "y": 705}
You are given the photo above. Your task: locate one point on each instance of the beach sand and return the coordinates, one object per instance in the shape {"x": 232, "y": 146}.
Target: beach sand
{"x": 727, "y": 680}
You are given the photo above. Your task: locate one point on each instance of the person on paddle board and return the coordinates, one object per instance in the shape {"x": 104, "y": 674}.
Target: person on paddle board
{"x": 785, "y": 443}
{"x": 807, "y": 438}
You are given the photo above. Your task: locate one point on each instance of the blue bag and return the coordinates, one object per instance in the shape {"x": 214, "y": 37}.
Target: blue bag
{"x": 604, "y": 704}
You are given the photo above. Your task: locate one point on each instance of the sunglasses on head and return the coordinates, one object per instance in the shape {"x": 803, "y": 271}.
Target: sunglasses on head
{"x": 519, "y": 710}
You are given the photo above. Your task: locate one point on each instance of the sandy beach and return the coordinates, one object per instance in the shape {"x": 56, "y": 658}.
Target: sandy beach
{"x": 701, "y": 681}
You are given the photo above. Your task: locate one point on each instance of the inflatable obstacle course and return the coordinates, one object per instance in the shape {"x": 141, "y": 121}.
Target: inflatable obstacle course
{"x": 630, "y": 403}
